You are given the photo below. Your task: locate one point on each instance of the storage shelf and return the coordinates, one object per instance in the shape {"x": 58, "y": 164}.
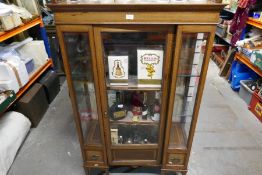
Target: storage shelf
{"x": 248, "y": 63}
{"x": 32, "y": 79}
{"x": 20, "y": 29}
{"x": 225, "y": 39}
{"x": 131, "y": 86}
{"x": 254, "y": 22}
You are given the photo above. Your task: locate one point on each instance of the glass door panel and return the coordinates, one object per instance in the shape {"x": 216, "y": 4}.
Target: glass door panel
{"x": 189, "y": 71}
{"x": 80, "y": 61}
{"x": 134, "y": 59}
{"x": 133, "y": 63}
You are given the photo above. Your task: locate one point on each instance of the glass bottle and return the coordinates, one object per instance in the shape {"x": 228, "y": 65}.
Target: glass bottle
{"x": 156, "y": 109}
{"x": 144, "y": 107}
{"x": 118, "y": 109}
{"x": 120, "y": 140}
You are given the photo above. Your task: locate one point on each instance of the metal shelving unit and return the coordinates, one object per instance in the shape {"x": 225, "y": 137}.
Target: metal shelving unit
{"x": 243, "y": 59}
{"x": 38, "y": 72}
{"x": 254, "y": 22}
{"x": 6, "y": 35}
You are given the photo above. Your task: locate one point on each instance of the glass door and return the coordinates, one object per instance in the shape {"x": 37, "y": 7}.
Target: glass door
{"x": 193, "y": 48}
{"x": 79, "y": 61}
{"x": 133, "y": 63}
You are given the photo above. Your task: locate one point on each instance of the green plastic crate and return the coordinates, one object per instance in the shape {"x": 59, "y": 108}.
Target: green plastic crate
{"x": 9, "y": 97}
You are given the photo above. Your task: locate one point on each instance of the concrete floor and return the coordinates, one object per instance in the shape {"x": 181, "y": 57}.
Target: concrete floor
{"x": 228, "y": 138}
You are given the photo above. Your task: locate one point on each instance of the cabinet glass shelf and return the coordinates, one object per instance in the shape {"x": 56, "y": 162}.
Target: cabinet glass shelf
{"x": 128, "y": 121}
{"x": 132, "y": 84}
{"x": 133, "y": 134}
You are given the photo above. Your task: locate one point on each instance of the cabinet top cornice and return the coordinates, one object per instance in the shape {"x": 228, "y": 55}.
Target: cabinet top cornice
{"x": 95, "y": 7}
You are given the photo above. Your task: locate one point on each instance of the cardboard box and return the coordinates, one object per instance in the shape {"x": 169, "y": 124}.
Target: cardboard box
{"x": 33, "y": 104}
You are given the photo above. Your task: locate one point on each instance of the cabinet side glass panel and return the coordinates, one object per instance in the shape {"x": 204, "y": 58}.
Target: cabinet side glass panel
{"x": 79, "y": 58}
{"x": 189, "y": 71}
{"x": 133, "y": 70}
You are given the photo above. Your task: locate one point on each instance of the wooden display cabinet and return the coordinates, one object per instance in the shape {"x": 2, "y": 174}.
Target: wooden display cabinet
{"x": 123, "y": 115}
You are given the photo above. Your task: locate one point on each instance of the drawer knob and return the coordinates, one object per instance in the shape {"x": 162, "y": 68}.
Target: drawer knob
{"x": 174, "y": 161}
{"x": 95, "y": 157}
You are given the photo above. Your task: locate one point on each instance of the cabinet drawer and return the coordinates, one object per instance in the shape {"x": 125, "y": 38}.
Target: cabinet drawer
{"x": 94, "y": 156}
{"x": 119, "y": 155}
{"x": 176, "y": 159}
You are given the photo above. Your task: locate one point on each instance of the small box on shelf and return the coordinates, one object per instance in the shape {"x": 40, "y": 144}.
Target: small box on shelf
{"x": 118, "y": 70}
{"x": 31, "y": 5}
{"x": 33, "y": 104}
{"x": 9, "y": 21}
{"x": 149, "y": 67}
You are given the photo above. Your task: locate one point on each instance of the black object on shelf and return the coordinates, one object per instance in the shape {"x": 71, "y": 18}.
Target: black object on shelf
{"x": 50, "y": 82}
{"x": 118, "y": 110}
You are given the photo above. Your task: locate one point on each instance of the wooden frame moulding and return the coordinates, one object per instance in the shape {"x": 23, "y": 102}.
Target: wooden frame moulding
{"x": 101, "y": 73}
{"x": 116, "y": 7}
{"x": 159, "y": 17}
{"x": 187, "y": 29}
{"x": 89, "y": 31}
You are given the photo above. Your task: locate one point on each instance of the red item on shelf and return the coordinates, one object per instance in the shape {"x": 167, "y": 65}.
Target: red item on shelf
{"x": 256, "y": 106}
{"x": 136, "y": 110}
{"x": 243, "y": 3}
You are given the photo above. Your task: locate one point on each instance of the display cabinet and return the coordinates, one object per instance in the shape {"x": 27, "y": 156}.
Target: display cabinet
{"x": 136, "y": 74}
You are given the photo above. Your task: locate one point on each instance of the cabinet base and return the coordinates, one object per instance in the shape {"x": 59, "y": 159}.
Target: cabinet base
{"x": 168, "y": 171}
{"x": 104, "y": 171}
{"x": 131, "y": 169}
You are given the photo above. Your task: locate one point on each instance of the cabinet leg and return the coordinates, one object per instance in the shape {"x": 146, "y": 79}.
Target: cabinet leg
{"x": 162, "y": 173}
{"x": 107, "y": 171}
{"x": 184, "y": 173}
{"x": 87, "y": 171}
